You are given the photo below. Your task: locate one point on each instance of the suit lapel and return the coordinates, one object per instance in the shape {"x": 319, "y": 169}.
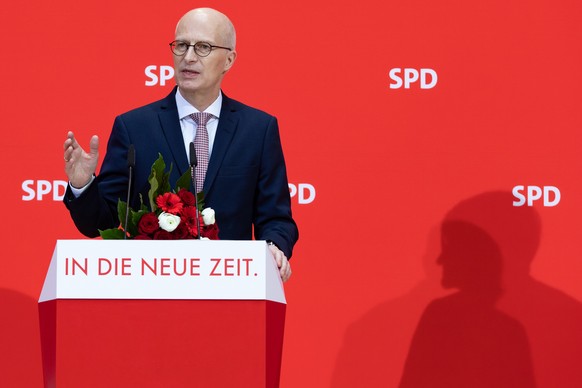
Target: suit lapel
{"x": 170, "y": 123}
{"x": 227, "y": 124}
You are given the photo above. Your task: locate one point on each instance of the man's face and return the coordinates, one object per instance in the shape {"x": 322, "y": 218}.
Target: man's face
{"x": 201, "y": 76}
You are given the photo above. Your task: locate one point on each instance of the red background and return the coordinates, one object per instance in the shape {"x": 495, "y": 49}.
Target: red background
{"x": 387, "y": 164}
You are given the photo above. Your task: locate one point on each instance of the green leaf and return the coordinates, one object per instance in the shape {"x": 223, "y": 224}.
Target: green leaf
{"x": 131, "y": 220}
{"x": 164, "y": 181}
{"x": 135, "y": 217}
{"x": 200, "y": 200}
{"x": 142, "y": 205}
{"x": 154, "y": 180}
{"x": 184, "y": 181}
{"x": 112, "y": 234}
{"x": 121, "y": 209}
{"x": 132, "y": 224}
{"x": 152, "y": 193}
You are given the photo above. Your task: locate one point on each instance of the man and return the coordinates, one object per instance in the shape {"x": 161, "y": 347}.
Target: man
{"x": 246, "y": 180}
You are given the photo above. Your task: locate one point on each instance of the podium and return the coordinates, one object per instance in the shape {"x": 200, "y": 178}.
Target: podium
{"x": 164, "y": 314}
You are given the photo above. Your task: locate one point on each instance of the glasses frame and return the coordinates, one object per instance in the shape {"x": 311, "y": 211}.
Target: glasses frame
{"x": 212, "y": 47}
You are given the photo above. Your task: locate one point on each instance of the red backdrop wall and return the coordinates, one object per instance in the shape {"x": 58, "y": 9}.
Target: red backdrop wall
{"x": 396, "y": 117}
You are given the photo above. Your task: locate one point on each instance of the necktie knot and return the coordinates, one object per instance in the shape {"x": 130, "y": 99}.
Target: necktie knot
{"x": 201, "y": 118}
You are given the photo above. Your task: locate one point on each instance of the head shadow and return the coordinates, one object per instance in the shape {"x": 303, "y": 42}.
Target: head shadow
{"x": 464, "y": 339}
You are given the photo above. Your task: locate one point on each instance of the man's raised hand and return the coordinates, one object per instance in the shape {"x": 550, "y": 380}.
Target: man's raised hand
{"x": 80, "y": 165}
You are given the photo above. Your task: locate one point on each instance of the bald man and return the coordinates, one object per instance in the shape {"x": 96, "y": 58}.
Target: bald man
{"x": 246, "y": 181}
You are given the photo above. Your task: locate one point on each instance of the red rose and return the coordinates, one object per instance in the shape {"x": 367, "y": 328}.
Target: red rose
{"x": 148, "y": 224}
{"x": 188, "y": 218}
{"x": 170, "y": 203}
{"x": 187, "y": 197}
{"x": 142, "y": 237}
{"x": 210, "y": 231}
{"x": 163, "y": 235}
{"x": 181, "y": 232}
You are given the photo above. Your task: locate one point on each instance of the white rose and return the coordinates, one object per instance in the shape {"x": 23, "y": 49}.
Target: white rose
{"x": 168, "y": 222}
{"x": 208, "y": 216}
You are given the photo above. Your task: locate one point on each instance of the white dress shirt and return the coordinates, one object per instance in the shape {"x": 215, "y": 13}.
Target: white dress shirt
{"x": 189, "y": 126}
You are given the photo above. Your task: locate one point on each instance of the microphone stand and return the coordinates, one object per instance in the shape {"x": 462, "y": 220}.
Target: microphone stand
{"x": 130, "y": 165}
{"x": 193, "y": 164}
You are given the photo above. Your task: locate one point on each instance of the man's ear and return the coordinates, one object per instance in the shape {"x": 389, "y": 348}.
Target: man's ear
{"x": 229, "y": 61}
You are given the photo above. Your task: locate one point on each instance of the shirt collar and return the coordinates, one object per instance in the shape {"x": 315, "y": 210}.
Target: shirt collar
{"x": 185, "y": 109}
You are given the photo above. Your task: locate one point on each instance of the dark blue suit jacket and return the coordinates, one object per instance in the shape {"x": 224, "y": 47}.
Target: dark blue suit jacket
{"x": 246, "y": 183}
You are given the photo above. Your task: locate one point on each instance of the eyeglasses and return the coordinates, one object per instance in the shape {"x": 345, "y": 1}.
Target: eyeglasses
{"x": 202, "y": 49}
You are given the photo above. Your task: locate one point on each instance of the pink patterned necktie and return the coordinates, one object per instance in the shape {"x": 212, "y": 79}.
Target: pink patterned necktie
{"x": 201, "y": 145}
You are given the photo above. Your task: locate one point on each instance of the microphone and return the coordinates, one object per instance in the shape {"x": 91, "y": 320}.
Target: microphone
{"x": 130, "y": 166}
{"x": 193, "y": 164}
{"x": 193, "y": 159}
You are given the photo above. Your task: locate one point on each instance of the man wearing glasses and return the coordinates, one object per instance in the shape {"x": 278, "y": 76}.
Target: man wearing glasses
{"x": 238, "y": 147}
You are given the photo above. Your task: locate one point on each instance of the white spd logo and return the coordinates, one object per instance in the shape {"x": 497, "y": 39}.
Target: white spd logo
{"x": 41, "y": 189}
{"x": 549, "y": 195}
{"x": 426, "y": 78}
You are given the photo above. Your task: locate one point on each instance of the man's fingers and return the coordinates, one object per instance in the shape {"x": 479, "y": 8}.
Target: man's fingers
{"x": 71, "y": 145}
{"x": 69, "y": 141}
{"x": 94, "y": 144}
{"x": 286, "y": 271}
{"x": 282, "y": 263}
{"x": 68, "y": 146}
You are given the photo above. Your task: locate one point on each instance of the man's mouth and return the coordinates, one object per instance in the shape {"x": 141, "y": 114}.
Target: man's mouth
{"x": 190, "y": 72}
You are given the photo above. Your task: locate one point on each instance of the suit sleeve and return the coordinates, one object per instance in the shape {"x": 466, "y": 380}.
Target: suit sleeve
{"x": 272, "y": 212}
{"x": 96, "y": 207}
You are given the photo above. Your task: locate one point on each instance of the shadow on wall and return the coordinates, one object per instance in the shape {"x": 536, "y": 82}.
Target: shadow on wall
{"x": 375, "y": 346}
{"x": 20, "y": 359}
{"x": 501, "y": 328}
{"x": 463, "y": 340}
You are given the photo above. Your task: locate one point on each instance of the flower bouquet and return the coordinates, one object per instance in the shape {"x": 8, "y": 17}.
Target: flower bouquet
{"x": 171, "y": 215}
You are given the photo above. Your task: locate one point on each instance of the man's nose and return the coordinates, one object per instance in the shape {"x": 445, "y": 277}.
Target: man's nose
{"x": 190, "y": 54}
